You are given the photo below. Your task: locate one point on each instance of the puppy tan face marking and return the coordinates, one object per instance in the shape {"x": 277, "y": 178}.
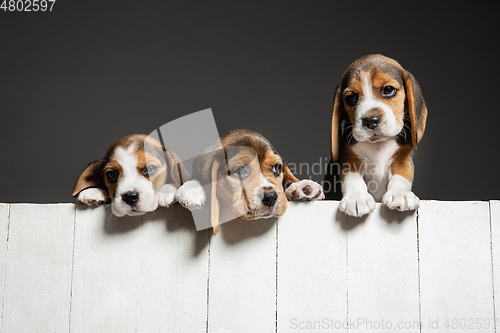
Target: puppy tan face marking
{"x": 152, "y": 168}
{"x": 374, "y": 101}
{"x": 112, "y": 173}
{"x": 236, "y": 183}
{"x": 391, "y": 91}
{"x": 251, "y": 188}
{"x": 271, "y": 167}
{"x": 272, "y": 171}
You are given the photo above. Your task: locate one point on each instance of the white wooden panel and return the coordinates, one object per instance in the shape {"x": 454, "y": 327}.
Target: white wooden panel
{"x": 141, "y": 274}
{"x": 455, "y": 266}
{"x": 174, "y": 274}
{"x": 495, "y": 247}
{"x": 38, "y": 272}
{"x": 312, "y": 271}
{"x": 242, "y": 294}
{"x": 4, "y": 233}
{"x": 149, "y": 273}
{"x": 382, "y": 263}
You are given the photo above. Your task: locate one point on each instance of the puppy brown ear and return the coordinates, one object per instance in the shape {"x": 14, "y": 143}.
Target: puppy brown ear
{"x": 92, "y": 176}
{"x": 288, "y": 177}
{"x": 338, "y": 112}
{"x": 416, "y": 108}
{"x": 214, "y": 202}
{"x": 176, "y": 173}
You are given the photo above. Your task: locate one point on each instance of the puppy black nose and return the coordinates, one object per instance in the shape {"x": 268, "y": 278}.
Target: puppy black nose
{"x": 131, "y": 197}
{"x": 371, "y": 122}
{"x": 270, "y": 198}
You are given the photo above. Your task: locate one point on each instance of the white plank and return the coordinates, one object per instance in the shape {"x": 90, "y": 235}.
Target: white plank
{"x": 106, "y": 272}
{"x": 495, "y": 247}
{"x": 4, "y": 234}
{"x": 143, "y": 274}
{"x": 312, "y": 271}
{"x": 242, "y": 291}
{"x": 38, "y": 272}
{"x": 455, "y": 267}
{"x": 382, "y": 263}
{"x": 174, "y": 274}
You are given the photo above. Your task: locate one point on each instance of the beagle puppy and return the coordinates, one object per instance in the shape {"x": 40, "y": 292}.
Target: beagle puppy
{"x": 136, "y": 175}
{"x": 379, "y": 117}
{"x": 245, "y": 177}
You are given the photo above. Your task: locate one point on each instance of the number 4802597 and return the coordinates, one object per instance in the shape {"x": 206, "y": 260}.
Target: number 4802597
{"x": 27, "y": 5}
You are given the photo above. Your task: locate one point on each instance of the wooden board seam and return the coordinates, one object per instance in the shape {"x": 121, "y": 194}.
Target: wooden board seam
{"x": 276, "y": 304}
{"x": 72, "y": 270}
{"x": 208, "y": 280}
{"x": 492, "y": 269}
{"x": 418, "y": 270}
{"x": 347, "y": 268}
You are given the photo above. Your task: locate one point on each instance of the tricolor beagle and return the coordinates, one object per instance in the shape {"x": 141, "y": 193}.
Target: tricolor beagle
{"x": 246, "y": 177}
{"x": 379, "y": 117}
{"x": 137, "y": 175}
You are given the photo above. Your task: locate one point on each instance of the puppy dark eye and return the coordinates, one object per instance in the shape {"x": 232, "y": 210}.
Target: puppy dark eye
{"x": 388, "y": 91}
{"x": 112, "y": 176}
{"x": 149, "y": 170}
{"x": 242, "y": 172}
{"x": 352, "y": 99}
{"x": 276, "y": 170}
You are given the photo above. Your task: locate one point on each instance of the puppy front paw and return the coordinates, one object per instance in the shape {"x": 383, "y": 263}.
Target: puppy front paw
{"x": 304, "y": 190}
{"x": 166, "y": 196}
{"x": 191, "y": 195}
{"x": 357, "y": 204}
{"x": 400, "y": 199}
{"x": 93, "y": 196}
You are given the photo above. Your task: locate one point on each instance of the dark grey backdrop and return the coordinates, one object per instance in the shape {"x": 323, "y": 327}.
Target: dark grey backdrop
{"x": 75, "y": 79}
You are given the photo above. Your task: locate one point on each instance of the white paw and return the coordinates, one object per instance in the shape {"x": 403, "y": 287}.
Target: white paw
{"x": 357, "y": 204}
{"x": 93, "y": 196}
{"x": 304, "y": 190}
{"x": 166, "y": 196}
{"x": 400, "y": 199}
{"x": 191, "y": 195}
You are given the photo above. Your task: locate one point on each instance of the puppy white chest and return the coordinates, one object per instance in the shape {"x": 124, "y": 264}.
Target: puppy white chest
{"x": 376, "y": 168}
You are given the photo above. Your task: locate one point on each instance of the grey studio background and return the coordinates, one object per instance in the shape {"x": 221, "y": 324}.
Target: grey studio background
{"x": 75, "y": 79}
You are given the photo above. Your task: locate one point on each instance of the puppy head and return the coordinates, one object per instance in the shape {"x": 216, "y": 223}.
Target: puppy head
{"x": 376, "y": 95}
{"x": 246, "y": 178}
{"x": 132, "y": 173}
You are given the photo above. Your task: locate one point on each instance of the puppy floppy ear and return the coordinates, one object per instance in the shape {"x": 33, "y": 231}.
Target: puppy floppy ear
{"x": 92, "y": 176}
{"x": 416, "y": 108}
{"x": 176, "y": 173}
{"x": 337, "y": 116}
{"x": 214, "y": 202}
